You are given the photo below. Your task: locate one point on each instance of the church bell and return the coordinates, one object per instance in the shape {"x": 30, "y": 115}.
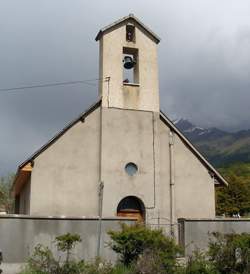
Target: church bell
{"x": 128, "y": 62}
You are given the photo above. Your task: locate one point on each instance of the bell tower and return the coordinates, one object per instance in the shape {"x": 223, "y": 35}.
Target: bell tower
{"x": 128, "y": 66}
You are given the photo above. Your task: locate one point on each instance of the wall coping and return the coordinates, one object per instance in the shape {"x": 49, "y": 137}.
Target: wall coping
{"x": 214, "y": 220}
{"x": 61, "y": 217}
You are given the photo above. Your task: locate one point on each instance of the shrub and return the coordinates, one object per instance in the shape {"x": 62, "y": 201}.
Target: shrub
{"x": 149, "y": 263}
{"x": 199, "y": 264}
{"x": 122, "y": 269}
{"x": 133, "y": 241}
{"x": 230, "y": 253}
{"x": 67, "y": 242}
{"x": 42, "y": 260}
{"x": 104, "y": 267}
{"x": 72, "y": 267}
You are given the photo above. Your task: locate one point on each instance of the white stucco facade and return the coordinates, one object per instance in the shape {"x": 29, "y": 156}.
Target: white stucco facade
{"x": 172, "y": 181}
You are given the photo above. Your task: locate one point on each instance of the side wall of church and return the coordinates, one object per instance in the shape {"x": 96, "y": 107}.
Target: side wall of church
{"x": 193, "y": 190}
{"x": 164, "y": 174}
{"x": 65, "y": 177}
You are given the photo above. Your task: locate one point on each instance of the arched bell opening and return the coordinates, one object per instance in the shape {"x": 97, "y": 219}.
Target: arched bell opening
{"x": 131, "y": 207}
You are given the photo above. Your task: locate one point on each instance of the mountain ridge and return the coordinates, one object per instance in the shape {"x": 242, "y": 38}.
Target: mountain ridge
{"x": 218, "y": 146}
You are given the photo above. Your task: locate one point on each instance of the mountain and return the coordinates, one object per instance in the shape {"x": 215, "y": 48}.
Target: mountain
{"x": 219, "y": 147}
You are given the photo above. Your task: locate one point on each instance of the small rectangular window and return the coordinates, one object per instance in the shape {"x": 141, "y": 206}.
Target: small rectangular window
{"x": 130, "y": 33}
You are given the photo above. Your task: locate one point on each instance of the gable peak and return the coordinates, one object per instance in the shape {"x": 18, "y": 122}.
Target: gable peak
{"x": 130, "y": 17}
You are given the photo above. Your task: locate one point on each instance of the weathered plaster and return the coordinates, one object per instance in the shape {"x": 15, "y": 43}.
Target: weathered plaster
{"x": 114, "y": 93}
{"x": 65, "y": 177}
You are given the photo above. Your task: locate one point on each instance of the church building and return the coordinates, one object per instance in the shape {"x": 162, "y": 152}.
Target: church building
{"x": 123, "y": 156}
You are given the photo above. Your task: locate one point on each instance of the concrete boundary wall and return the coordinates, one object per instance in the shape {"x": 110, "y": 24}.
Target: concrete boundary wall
{"x": 20, "y": 234}
{"x": 195, "y": 233}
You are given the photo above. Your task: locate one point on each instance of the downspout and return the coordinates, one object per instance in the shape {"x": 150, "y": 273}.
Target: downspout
{"x": 101, "y": 186}
{"x": 100, "y": 189}
{"x": 172, "y": 183}
{"x": 101, "y": 183}
{"x": 153, "y": 144}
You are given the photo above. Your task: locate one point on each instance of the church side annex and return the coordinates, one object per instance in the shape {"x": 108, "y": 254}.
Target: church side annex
{"x": 123, "y": 156}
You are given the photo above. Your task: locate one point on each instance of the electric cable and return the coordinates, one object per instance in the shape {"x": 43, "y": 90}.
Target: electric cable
{"x": 55, "y": 84}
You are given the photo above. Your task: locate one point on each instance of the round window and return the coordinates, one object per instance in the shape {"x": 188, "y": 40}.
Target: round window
{"x": 131, "y": 169}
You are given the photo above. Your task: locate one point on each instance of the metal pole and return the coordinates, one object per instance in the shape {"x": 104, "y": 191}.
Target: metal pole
{"x": 172, "y": 196}
{"x": 101, "y": 186}
{"x": 1, "y": 259}
{"x": 158, "y": 219}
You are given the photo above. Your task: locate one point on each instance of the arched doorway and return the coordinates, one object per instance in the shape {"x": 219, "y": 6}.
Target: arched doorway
{"x": 131, "y": 206}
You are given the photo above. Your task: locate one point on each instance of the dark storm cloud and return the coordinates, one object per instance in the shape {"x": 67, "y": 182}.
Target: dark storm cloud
{"x": 204, "y": 63}
{"x": 212, "y": 88}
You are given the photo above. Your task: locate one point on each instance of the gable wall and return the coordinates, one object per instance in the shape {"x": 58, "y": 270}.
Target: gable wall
{"x": 164, "y": 173}
{"x": 127, "y": 137}
{"x": 195, "y": 196}
{"x": 193, "y": 189}
{"x": 65, "y": 176}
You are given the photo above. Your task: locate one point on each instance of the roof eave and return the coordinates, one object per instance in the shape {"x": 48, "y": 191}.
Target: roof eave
{"x": 51, "y": 141}
{"x": 209, "y": 166}
{"x": 60, "y": 133}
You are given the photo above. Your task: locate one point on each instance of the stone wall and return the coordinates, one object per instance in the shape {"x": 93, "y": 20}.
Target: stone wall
{"x": 20, "y": 234}
{"x": 195, "y": 233}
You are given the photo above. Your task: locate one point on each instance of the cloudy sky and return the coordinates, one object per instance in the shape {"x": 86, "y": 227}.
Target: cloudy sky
{"x": 204, "y": 63}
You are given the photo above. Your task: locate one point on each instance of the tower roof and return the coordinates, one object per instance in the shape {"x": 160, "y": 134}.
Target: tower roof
{"x": 130, "y": 17}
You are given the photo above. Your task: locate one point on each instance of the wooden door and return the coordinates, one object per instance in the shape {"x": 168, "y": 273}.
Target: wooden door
{"x": 130, "y": 213}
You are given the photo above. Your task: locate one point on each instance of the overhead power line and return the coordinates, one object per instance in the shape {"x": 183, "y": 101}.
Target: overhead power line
{"x": 87, "y": 82}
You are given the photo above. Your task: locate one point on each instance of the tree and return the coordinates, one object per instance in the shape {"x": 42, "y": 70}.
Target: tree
{"x": 230, "y": 253}
{"x": 6, "y": 199}
{"x": 138, "y": 241}
{"x": 236, "y": 197}
{"x": 67, "y": 242}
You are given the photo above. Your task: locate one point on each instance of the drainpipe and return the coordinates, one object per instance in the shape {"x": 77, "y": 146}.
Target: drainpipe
{"x": 172, "y": 190}
{"x": 153, "y": 144}
{"x": 1, "y": 259}
{"x": 101, "y": 186}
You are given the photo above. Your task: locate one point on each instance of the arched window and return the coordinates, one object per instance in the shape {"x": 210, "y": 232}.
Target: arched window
{"x": 131, "y": 206}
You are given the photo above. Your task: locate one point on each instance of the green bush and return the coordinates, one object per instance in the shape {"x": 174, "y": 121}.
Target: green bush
{"x": 72, "y": 267}
{"x": 133, "y": 241}
{"x": 102, "y": 267}
{"x": 88, "y": 268}
{"x": 42, "y": 260}
{"x": 121, "y": 269}
{"x": 67, "y": 242}
{"x": 199, "y": 264}
{"x": 149, "y": 263}
{"x": 146, "y": 251}
{"x": 230, "y": 253}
